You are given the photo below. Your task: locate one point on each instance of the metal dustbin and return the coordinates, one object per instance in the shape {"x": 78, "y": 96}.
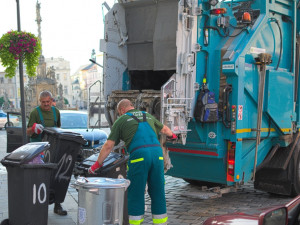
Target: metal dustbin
{"x": 64, "y": 148}
{"x": 114, "y": 166}
{"x": 28, "y": 179}
{"x": 100, "y": 200}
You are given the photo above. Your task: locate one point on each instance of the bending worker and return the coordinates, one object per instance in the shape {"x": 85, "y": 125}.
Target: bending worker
{"x": 42, "y": 116}
{"x": 139, "y": 130}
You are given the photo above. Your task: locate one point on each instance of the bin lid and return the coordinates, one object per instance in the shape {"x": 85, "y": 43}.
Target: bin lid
{"x": 66, "y": 135}
{"x": 101, "y": 182}
{"x": 25, "y": 153}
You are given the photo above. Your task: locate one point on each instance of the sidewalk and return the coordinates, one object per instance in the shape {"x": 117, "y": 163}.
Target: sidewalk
{"x": 70, "y": 203}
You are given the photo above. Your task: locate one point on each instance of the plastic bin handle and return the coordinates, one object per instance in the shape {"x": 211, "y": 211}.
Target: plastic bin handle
{"x": 10, "y": 163}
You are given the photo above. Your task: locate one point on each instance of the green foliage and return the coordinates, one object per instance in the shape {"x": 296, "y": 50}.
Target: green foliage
{"x": 66, "y": 101}
{"x": 15, "y": 45}
{"x": 1, "y": 101}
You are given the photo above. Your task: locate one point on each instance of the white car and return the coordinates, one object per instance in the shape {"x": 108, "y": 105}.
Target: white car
{"x": 13, "y": 120}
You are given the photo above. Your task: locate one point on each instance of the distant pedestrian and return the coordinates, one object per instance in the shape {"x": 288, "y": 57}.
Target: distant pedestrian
{"x": 139, "y": 130}
{"x": 45, "y": 115}
{"x": 53, "y": 102}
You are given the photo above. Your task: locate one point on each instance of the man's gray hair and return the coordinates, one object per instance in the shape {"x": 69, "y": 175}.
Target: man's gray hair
{"x": 45, "y": 94}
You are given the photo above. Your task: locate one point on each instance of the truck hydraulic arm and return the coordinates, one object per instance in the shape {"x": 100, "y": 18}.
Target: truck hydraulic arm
{"x": 262, "y": 60}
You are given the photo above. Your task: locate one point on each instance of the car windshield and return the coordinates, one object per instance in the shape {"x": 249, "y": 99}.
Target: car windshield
{"x": 73, "y": 120}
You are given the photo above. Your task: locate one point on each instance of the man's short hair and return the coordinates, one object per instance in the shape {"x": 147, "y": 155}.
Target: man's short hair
{"x": 124, "y": 103}
{"x": 45, "y": 94}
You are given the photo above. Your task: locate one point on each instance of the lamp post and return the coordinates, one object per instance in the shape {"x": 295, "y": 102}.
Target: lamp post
{"x": 23, "y": 110}
{"x": 93, "y": 61}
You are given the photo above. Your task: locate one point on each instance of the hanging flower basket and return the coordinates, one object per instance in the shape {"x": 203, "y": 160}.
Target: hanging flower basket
{"x": 15, "y": 45}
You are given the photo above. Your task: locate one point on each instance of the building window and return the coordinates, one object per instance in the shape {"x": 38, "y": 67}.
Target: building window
{"x": 1, "y": 80}
{"x": 57, "y": 76}
{"x": 65, "y": 89}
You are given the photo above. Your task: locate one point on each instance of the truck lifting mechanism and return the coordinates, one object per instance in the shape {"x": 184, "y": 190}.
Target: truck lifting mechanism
{"x": 223, "y": 75}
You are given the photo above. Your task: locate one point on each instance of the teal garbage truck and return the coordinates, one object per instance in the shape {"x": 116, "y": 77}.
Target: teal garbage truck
{"x": 222, "y": 74}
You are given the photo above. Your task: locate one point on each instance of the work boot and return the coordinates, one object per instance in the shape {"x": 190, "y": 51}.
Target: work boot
{"x": 59, "y": 210}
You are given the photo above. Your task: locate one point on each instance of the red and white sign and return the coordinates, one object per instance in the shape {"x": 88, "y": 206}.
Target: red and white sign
{"x": 240, "y": 112}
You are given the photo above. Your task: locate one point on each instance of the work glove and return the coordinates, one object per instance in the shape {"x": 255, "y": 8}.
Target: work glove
{"x": 93, "y": 169}
{"x": 172, "y": 138}
{"x": 37, "y": 128}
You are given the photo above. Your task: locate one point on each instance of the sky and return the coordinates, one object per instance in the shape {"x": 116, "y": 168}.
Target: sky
{"x": 71, "y": 29}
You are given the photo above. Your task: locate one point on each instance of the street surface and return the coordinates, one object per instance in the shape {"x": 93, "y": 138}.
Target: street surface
{"x": 181, "y": 209}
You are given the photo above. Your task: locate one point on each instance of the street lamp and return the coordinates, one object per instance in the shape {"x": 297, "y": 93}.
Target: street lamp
{"x": 21, "y": 83}
{"x": 93, "y": 61}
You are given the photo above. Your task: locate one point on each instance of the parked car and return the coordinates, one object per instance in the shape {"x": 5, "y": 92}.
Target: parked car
{"x": 14, "y": 120}
{"x": 74, "y": 121}
{"x": 288, "y": 214}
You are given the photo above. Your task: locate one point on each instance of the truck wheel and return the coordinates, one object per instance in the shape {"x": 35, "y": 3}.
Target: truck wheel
{"x": 201, "y": 183}
{"x": 296, "y": 186}
{"x": 5, "y": 222}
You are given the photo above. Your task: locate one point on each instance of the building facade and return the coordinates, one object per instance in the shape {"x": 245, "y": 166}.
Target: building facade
{"x": 9, "y": 91}
{"x": 61, "y": 68}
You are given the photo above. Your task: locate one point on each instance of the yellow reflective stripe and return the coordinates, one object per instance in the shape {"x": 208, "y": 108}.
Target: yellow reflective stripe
{"x": 267, "y": 129}
{"x": 161, "y": 158}
{"x": 249, "y": 130}
{"x": 238, "y": 131}
{"x": 136, "y": 160}
{"x": 160, "y": 221}
{"x": 136, "y": 221}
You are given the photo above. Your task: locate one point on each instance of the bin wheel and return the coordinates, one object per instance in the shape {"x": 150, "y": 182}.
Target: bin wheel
{"x": 5, "y": 222}
{"x": 8, "y": 124}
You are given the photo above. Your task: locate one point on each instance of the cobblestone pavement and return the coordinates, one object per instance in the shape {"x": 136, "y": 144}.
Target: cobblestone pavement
{"x": 181, "y": 208}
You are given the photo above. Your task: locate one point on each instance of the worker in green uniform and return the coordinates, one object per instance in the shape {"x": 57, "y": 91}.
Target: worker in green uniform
{"x": 42, "y": 116}
{"x": 139, "y": 130}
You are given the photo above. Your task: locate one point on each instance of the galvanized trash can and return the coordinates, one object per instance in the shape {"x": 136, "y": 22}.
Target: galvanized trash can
{"x": 100, "y": 200}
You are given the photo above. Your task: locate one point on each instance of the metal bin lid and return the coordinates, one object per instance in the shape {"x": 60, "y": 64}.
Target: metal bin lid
{"x": 101, "y": 182}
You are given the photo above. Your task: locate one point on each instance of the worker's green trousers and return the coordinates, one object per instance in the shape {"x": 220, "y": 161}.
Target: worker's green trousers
{"x": 146, "y": 165}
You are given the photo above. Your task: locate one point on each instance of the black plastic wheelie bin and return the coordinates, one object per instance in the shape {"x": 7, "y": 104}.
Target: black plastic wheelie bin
{"x": 114, "y": 166}
{"x": 64, "y": 148}
{"x": 28, "y": 179}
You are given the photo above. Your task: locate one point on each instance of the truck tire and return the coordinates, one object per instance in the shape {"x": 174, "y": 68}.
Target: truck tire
{"x": 5, "y": 222}
{"x": 296, "y": 183}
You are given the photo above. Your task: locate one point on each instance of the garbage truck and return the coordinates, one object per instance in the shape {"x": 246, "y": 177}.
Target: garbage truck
{"x": 222, "y": 74}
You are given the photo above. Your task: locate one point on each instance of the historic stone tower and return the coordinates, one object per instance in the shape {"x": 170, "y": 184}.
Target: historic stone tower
{"x": 45, "y": 79}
